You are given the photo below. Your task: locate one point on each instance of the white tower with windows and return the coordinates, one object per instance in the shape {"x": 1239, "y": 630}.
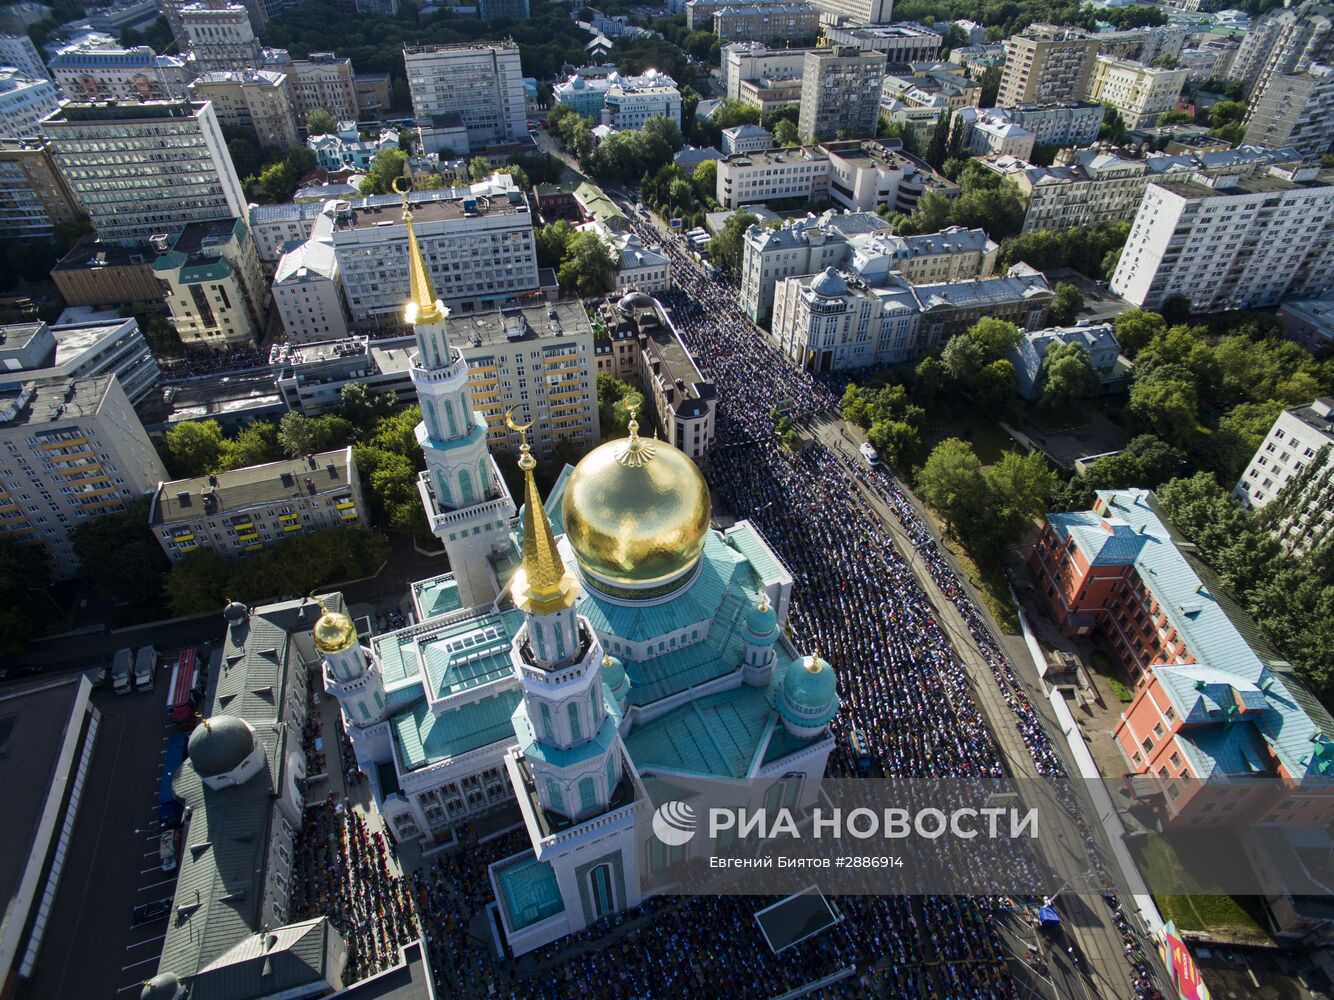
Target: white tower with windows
{"x": 467, "y": 503}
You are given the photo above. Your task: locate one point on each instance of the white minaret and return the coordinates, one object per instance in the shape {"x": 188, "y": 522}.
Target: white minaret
{"x": 353, "y": 677}
{"x": 467, "y": 503}
{"x": 567, "y": 724}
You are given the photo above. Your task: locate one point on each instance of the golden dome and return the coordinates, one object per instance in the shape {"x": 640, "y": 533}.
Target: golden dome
{"x": 636, "y": 511}
{"x": 334, "y": 632}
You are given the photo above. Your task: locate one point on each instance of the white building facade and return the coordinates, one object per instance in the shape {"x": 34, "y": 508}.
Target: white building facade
{"x": 483, "y": 84}
{"x": 1297, "y": 455}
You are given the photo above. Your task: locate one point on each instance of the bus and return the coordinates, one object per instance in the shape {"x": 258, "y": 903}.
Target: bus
{"x": 183, "y": 691}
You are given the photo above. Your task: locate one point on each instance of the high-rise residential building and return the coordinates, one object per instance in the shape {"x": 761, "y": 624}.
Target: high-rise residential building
{"x": 1231, "y": 243}
{"x": 489, "y": 10}
{"x": 323, "y": 82}
{"x": 111, "y": 73}
{"x": 901, "y": 43}
{"x": 213, "y": 284}
{"x": 19, "y": 51}
{"x": 1287, "y": 41}
{"x": 1295, "y": 109}
{"x": 245, "y": 510}
{"x": 763, "y": 22}
{"x": 861, "y": 244}
{"x": 1140, "y": 93}
{"x": 33, "y": 195}
{"x": 482, "y": 84}
{"x": 259, "y": 100}
{"x": 757, "y": 61}
{"x": 73, "y": 449}
{"x": 24, "y": 101}
{"x": 1047, "y": 63}
{"x": 219, "y": 38}
{"x": 1296, "y": 455}
{"x": 856, "y": 11}
{"x": 478, "y": 244}
{"x": 840, "y": 93}
{"x": 143, "y": 169}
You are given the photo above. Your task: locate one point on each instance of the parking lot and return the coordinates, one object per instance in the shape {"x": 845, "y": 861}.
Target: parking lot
{"x": 92, "y": 949}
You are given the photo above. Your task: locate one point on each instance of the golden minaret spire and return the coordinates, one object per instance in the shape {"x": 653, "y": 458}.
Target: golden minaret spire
{"x": 422, "y": 305}
{"x": 542, "y": 585}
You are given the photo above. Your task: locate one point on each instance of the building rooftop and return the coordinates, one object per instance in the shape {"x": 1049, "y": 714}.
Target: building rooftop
{"x": 34, "y": 403}
{"x": 367, "y": 213}
{"x": 124, "y": 111}
{"x": 411, "y": 979}
{"x": 1318, "y": 415}
{"x": 903, "y": 29}
{"x": 511, "y": 324}
{"x": 92, "y": 252}
{"x": 240, "y": 489}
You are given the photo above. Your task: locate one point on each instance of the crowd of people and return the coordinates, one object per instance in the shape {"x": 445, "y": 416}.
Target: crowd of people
{"x": 234, "y": 359}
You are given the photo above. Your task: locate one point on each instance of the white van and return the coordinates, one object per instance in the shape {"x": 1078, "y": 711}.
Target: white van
{"x": 869, "y": 453}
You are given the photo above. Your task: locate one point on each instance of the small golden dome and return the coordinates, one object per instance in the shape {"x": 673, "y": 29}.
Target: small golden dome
{"x": 334, "y": 632}
{"x": 636, "y": 511}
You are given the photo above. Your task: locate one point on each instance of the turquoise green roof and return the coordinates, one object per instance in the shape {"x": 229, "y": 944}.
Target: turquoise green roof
{"x": 459, "y": 654}
{"x": 809, "y": 689}
{"x": 717, "y": 735}
{"x": 613, "y": 672}
{"x": 457, "y": 663}
{"x": 213, "y": 269}
{"x": 528, "y": 890}
{"x": 747, "y": 540}
{"x": 437, "y": 596}
{"x": 762, "y": 625}
{"x": 535, "y": 749}
{"x": 782, "y": 744}
{"x": 422, "y": 738}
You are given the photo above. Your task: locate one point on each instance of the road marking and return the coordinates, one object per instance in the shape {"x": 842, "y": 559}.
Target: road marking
{"x": 156, "y": 884}
{"x": 154, "y": 869}
{"x": 151, "y": 854}
{"x": 127, "y": 968}
{"x": 136, "y": 944}
{"x": 132, "y": 986}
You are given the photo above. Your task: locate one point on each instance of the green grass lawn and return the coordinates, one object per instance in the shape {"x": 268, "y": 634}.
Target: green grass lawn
{"x": 1054, "y": 422}
{"x": 1108, "y": 672}
{"x": 1235, "y": 918}
{"x": 986, "y": 436}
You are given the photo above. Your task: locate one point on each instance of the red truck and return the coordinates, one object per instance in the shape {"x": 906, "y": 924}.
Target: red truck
{"x": 185, "y": 688}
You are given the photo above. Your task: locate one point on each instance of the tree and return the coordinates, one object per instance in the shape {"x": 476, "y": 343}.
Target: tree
{"x": 24, "y": 576}
{"x": 194, "y": 448}
{"x": 320, "y": 122}
{"x": 117, "y": 548}
{"x": 387, "y": 167}
{"x": 280, "y": 179}
{"x": 1066, "y": 304}
{"x": 898, "y": 442}
{"x": 361, "y": 407}
{"x": 612, "y": 395}
{"x": 1136, "y": 328}
{"x": 952, "y": 483}
{"x": 253, "y": 444}
{"x": 726, "y": 247}
{"x": 1020, "y": 488}
{"x": 705, "y": 181}
{"x": 786, "y": 134}
{"x": 1113, "y": 128}
{"x": 296, "y": 434}
{"x": 1068, "y": 377}
{"x": 1146, "y": 462}
{"x": 552, "y": 240}
{"x": 1167, "y": 406}
{"x": 479, "y": 169}
{"x": 1174, "y": 117}
{"x": 589, "y": 266}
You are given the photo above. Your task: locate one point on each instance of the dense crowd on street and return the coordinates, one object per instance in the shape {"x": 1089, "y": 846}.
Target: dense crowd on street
{"x": 903, "y": 689}
{"x": 235, "y": 359}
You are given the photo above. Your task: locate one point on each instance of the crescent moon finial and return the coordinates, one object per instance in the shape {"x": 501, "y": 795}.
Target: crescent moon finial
{"x": 509, "y": 422}
{"x": 397, "y": 189}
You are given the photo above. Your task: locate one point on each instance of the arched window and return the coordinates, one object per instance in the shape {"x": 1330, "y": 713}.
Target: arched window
{"x": 576, "y": 727}
{"x": 554, "y": 796}
{"x": 449, "y": 415}
{"x": 547, "y": 728}
{"x": 432, "y": 424}
{"x": 465, "y": 486}
{"x": 483, "y": 476}
{"x": 445, "y": 494}
{"x": 593, "y": 703}
{"x": 611, "y": 774}
{"x": 603, "y": 898}
{"x": 588, "y": 794}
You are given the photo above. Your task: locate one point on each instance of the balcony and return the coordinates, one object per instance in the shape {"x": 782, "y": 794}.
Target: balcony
{"x": 430, "y": 375}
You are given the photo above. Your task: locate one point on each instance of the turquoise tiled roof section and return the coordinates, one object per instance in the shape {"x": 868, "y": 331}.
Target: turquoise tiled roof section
{"x": 717, "y": 735}
{"x": 747, "y": 540}
{"x": 478, "y": 655}
{"x": 477, "y": 431}
{"x": 438, "y": 596}
{"x": 783, "y": 744}
{"x": 213, "y": 269}
{"x": 399, "y": 663}
{"x": 422, "y": 738}
{"x": 528, "y": 889}
{"x": 1119, "y": 546}
{"x": 1234, "y": 750}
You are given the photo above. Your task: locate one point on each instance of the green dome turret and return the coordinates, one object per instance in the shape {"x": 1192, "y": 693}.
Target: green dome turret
{"x": 762, "y": 623}
{"x": 809, "y": 696}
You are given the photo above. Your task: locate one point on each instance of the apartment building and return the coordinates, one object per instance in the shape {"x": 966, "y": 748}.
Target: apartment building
{"x": 638, "y": 267}
{"x": 756, "y": 61}
{"x": 1045, "y": 64}
{"x": 1210, "y": 61}
{"x": 1297, "y": 455}
{"x": 258, "y": 100}
{"x": 977, "y": 59}
{"x": 1058, "y": 123}
{"x": 213, "y": 284}
{"x": 24, "y": 101}
{"x": 925, "y": 83}
{"x": 104, "y": 274}
{"x": 141, "y": 169}
{"x": 836, "y": 320}
{"x": 307, "y": 292}
{"x": 323, "y": 82}
{"x": 240, "y": 511}
{"x": 219, "y": 38}
{"x": 33, "y": 195}
{"x": 1140, "y": 93}
{"x": 1146, "y": 44}
{"x": 629, "y": 107}
{"x": 483, "y": 84}
{"x": 840, "y": 93}
{"x": 799, "y": 22}
{"x": 1097, "y": 340}
{"x": 900, "y": 43}
{"x": 19, "y": 51}
{"x": 1309, "y": 323}
{"x": 73, "y": 449}
{"x": 479, "y": 247}
{"x": 373, "y": 94}
{"x": 37, "y": 352}
{"x": 861, "y": 244}
{"x": 1297, "y": 110}
{"x": 1231, "y": 243}
{"x": 872, "y": 12}
{"x": 988, "y": 134}
{"x": 1220, "y": 730}
{"x": 1289, "y": 40}
{"x": 775, "y": 175}
{"x": 489, "y": 10}
{"x": 111, "y": 73}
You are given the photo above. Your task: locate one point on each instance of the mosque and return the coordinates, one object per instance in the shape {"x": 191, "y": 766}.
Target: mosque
{"x": 606, "y": 637}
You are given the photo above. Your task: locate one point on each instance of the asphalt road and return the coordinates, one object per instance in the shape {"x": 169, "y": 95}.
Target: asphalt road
{"x": 91, "y": 950}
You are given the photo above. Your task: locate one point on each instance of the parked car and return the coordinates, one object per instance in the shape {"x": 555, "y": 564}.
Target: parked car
{"x": 869, "y": 453}
{"x": 156, "y": 910}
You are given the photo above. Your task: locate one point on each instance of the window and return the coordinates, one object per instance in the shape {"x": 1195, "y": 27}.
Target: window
{"x": 546, "y": 721}
{"x": 1147, "y": 744}
{"x": 588, "y": 794}
{"x": 554, "y": 796}
{"x": 1158, "y": 730}
{"x": 576, "y": 727}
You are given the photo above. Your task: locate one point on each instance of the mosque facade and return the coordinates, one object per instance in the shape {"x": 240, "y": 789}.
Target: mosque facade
{"x": 605, "y": 639}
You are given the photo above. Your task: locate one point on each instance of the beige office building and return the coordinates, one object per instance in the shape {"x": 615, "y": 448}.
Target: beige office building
{"x": 213, "y": 285}
{"x": 1141, "y": 93}
{"x": 258, "y": 100}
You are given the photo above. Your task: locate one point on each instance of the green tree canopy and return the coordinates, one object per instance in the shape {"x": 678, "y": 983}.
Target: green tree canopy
{"x": 194, "y": 448}
{"x": 320, "y": 122}
{"x": 387, "y": 167}
{"x": 1066, "y": 304}
{"x": 1068, "y": 378}
{"x": 726, "y": 247}
{"x": 952, "y": 483}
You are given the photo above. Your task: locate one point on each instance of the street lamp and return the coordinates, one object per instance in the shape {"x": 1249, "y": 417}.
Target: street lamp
{"x": 1049, "y": 900}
